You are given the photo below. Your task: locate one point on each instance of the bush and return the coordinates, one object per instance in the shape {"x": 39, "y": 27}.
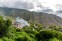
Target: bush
{"x": 46, "y": 35}
{"x": 6, "y": 39}
{"x": 4, "y": 26}
{"x": 22, "y": 36}
{"x": 60, "y": 36}
{"x": 54, "y": 39}
{"x": 1, "y": 39}
{"x": 58, "y": 28}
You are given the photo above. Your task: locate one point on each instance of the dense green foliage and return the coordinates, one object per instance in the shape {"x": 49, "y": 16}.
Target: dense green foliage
{"x": 4, "y": 26}
{"x": 36, "y": 32}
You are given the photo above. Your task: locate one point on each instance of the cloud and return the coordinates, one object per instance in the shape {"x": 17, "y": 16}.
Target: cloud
{"x": 23, "y": 4}
{"x": 32, "y": 4}
{"x": 47, "y": 10}
{"x": 54, "y": 6}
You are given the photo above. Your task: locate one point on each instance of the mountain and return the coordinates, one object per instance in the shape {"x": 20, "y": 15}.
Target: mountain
{"x": 36, "y": 17}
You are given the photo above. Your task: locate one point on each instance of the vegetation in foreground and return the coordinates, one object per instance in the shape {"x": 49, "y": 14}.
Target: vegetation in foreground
{"x": 36, "y": 32}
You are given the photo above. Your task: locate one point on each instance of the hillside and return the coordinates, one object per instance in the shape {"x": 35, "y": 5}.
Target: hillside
{"x": 33, "y": 32}
{"x": 36, "y": 17}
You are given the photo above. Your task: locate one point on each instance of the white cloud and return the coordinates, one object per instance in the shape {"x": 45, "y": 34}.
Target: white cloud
{"x": 36, "y": 5}
{"x": 52, "y": 4}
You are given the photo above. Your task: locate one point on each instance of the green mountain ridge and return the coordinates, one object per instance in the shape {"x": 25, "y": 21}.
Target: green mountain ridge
{"x": 36, "y": 17}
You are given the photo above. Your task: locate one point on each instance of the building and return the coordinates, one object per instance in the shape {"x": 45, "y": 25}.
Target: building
{"x": 20, "y": 23}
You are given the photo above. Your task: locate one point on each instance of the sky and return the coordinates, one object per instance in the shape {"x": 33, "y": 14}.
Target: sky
{"x": 49, "y": 6}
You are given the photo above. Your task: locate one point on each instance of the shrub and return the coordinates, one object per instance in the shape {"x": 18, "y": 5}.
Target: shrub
{"x": 22, "y": 36}
{"x": 60, "y": 36}
{"x": 4, "y": 26}
{"x": 1, "y": 39}
{"x": 58, "y": 28}
{"x": 54, "y": 39}
{"x": 6, "y": 39}
{"x": 46, "y": 35}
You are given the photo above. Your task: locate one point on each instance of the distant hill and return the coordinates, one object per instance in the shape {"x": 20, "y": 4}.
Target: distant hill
{"x": 37, "y": 17}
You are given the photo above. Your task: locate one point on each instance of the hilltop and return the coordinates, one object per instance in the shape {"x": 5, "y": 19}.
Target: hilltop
{"x": 36, "y": 17}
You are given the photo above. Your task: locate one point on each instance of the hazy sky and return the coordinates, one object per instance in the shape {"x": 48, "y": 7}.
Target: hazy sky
{"x": 34, "y": 5}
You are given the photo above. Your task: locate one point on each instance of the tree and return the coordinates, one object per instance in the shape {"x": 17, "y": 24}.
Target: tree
{"x": 23, "y": 36}
{"x": 4, "y": 26}
{"x": 45, "y": 35}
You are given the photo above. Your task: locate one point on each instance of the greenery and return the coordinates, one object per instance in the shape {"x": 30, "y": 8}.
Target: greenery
{"x": 35, "y": 32}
